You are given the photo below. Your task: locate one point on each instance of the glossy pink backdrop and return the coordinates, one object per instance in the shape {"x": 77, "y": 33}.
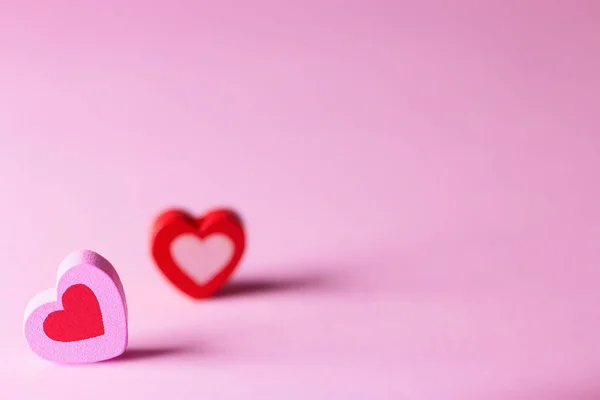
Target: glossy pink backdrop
{"x": 420, "y": 184}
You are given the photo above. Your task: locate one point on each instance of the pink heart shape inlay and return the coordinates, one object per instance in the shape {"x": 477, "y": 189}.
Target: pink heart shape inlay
{"x": 83, "y": 320}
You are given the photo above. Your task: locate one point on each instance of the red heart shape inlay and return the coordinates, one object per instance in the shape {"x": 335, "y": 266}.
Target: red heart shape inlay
{"x": 80, "y": 318}
{"x": 218, "y": 234}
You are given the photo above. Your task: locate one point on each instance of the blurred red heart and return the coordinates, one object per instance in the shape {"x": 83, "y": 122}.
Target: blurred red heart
{"x": 197, "y": 255}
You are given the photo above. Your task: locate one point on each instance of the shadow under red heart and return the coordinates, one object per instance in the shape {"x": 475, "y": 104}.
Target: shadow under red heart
{"x": 80, "y": 319}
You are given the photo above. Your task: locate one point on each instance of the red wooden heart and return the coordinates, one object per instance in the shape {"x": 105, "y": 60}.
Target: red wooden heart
{"x": 80, "y": 318}
{"x": 173, "y": 224}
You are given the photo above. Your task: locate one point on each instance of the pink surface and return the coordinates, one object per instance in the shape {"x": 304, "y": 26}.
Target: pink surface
{"x": 420, "y": 185}
{"x": 96, "y": 273}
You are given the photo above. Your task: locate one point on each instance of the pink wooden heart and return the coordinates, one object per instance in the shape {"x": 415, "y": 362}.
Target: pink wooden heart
{"x": 83, "y": 320}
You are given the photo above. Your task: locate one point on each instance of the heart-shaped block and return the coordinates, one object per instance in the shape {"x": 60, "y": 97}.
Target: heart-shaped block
{"x": 197, "y": 254}
{"x": 84, "y": 319}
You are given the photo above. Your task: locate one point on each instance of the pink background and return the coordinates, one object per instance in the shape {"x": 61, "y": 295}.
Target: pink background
{"x": 420, "y": 185}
